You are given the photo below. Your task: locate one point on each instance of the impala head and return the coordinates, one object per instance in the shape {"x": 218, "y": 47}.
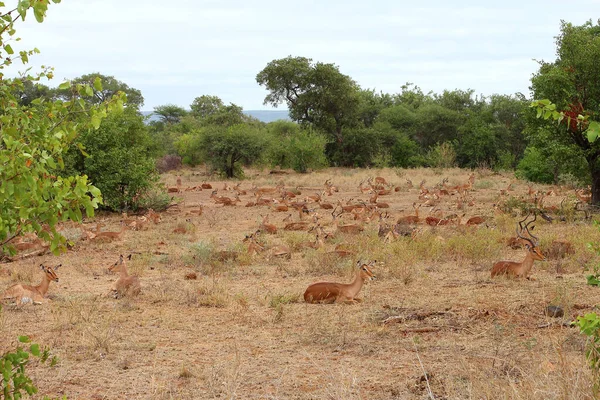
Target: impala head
{"x": 366, "y": 272}
{"x": 118, "y": 263}
{"x": 50, "y": 272}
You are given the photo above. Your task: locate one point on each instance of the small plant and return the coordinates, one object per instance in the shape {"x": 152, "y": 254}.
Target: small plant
{"x": 168, "y": 163}
{"x": 594, "y": 278}
{"x": 589, "y": 325}
{"x": 12, "y": 368}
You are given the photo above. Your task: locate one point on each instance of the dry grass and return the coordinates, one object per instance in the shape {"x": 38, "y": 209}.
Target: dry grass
{"x": 242, "y": 330}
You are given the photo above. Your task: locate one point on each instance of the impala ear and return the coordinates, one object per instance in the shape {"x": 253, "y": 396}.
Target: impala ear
{"x": 42, "y": 267}
{"x": 129, "y": 257}
{"x": 57, "y": 267}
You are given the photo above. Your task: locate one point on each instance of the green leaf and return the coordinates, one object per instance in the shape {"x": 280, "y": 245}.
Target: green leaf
{"x": 593, "y": 131}
{"x": 64, "y": 85}
{"x": 89, "y": 91}
{"x": 24, "y": 339}
{"x": 8, "y": 49}
{"x": 35, "y": 349}
{"x": 98, "y": 84}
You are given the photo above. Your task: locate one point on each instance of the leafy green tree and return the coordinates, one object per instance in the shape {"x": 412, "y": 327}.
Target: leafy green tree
{"x": 205, "y": 106}
{"x": 28, "y": 91}
{"x": 110, "y": 87}
{"x": 571, "y": 83}
{"x": 436, "y": 124}
{"x": 371, "y": 105}
{"x": 292, "y": 146}
{"x": 317, "y": 94}
{"x": 119, "y": 161}
{"x": 226, "y": 149}
{"x": 34, "y": 193}
{"x": 170, "y": 113}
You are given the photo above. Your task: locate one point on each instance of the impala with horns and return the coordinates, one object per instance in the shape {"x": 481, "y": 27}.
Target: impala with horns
{"x": 23, "y": 294}
{"x": 523, "y": 268}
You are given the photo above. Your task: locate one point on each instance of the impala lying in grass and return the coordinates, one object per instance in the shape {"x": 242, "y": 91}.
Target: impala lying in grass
{"x": 333, "y": 292}
{"x": 23, "y": 294}
{"x": 523, "y": 268}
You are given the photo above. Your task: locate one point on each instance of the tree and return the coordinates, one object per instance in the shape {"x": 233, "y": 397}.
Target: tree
{"x": 34, "y": 195}
{"x": 119, "y": 161}
{"x": 205, "y": 106}
{"x": 317, "y": 94}
{"x": 170, "y": 113}
{"x": 110, "y": 87}
{"x": 225, "y": 148}
{"x": 296, "y": 147}
{"x": 571, "y": 83}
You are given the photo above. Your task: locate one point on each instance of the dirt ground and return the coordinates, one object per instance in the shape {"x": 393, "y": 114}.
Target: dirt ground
{"x": 434, "y": 324}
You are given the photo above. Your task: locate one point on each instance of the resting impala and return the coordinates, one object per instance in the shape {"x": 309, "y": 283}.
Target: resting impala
{"x": 332, "y": 292}
{"x": 523, "y": 268}
{"x": 126, "y": 284}
{"x": 23, "y": 294}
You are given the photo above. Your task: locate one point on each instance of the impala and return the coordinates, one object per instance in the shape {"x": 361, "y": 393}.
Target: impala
{"x": 23, "y": 294}
{"x": 126, "y": 284}
{"x": 523, "y": 268}
{"x": 411, "y": 219}
{"x": 333, "y": 292}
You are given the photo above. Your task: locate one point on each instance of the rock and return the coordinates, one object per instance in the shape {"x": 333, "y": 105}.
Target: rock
{"x": 554, "y": 311}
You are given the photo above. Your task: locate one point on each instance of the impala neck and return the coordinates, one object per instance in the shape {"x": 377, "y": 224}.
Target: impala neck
{"x": 528, "y": 261}
{"x": 356, "y": 284}
{"x": 123, "y": 273}
{"x": 43, "y": 286}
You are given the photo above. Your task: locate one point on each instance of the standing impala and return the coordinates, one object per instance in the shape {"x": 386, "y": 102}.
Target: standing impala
{"x": 332, "y": 292}
{"x": 523, "y": 268}
{"x": 23, "y": 294}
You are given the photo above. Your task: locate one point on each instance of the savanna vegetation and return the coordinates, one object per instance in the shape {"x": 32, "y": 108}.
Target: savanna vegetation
{"x": 213, "y": 306}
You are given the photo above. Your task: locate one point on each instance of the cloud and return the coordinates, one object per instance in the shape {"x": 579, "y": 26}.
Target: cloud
{"x": 174, "y": 52}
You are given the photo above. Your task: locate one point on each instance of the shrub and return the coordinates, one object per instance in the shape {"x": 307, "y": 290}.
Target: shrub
{"x": 442, "y": 156}
{"x": 119, "y": 161}
{"x": 534, "y": 167}
{"x": 296, "y": 148}
{"x": 14, "y": 379}
{"x": 168, "y": 163}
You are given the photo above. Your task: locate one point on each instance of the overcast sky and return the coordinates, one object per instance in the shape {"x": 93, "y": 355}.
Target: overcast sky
{"x": 176, "y": 51}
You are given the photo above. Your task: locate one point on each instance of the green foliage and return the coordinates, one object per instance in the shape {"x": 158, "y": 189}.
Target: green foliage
{"x": 34, "y": 140}
{"x": 594, "y": 278}
{"x": 170, "y": 113}
{"x": 316, "y": 94}
{"x": 119, "y": 160}
{"x": 292, "y": 146}
{"x": 101, "y": 88}
{"x": 226, "y": 149}
{"x": 205, "y": 106}
{"x": 570, "y": 90}
{"x": 589, "y": 325}
{"x": 156, "y": 199}
{"x": 359, "y": 148}
{"x": 534, "y": 167}
{"x": 15, "y": 381}
{"x": 442, "y": 155}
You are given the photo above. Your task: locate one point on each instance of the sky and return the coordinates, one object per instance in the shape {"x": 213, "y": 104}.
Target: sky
{"x": 176, "y": 51}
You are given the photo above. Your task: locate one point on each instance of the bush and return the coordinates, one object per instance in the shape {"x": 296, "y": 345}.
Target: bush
{"x": 14, "y": 379}
{"x": 156, "y": 198}
{"x": 225, "y": 149}
{"x": 296, "y": 148}
{"x": 442, "y": 156}
{"x": 534, "y": 167}
{"x": 168, "y": 163}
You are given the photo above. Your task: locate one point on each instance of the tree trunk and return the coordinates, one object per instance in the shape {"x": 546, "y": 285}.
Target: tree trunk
{"x": 595, "y": 173}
